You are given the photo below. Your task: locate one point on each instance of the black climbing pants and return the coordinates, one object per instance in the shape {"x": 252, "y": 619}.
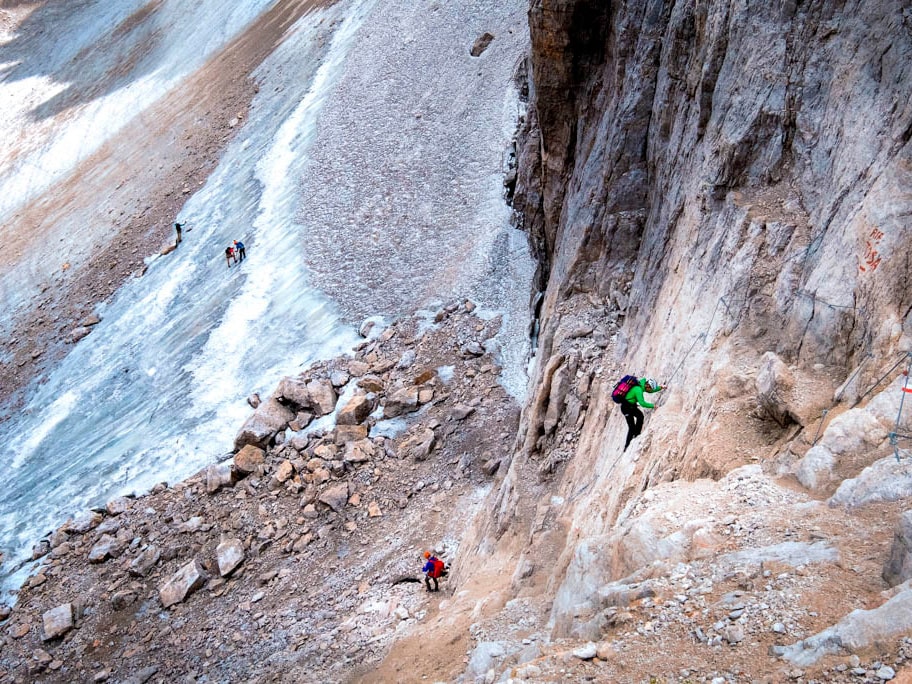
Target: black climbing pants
{"x": 427, "y": 581}
{"x": 634, "y": 418}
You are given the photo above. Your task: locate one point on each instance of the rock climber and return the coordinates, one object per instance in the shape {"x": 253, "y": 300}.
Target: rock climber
{"x": 177, "y": 229}
{"x": 433, "y": 569}
{"x": 229, "y": 255}
{"x": 632, "y": 397}
{"x": 242, "y": 252}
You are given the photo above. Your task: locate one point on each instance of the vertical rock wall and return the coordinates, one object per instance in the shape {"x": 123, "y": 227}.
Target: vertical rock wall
{"x": 708, "y": 182}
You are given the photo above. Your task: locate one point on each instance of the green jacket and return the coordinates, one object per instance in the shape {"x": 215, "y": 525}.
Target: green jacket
{"x": 635, "y": 395}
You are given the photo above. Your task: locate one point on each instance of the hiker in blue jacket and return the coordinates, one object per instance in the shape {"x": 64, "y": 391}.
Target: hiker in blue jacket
{"x": 632, "y": 414}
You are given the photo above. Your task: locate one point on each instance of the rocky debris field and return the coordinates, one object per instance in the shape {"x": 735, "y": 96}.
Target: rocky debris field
{"x": 301, "y": 556}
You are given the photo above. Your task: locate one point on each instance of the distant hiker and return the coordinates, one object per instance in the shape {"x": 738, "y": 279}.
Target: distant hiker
{"x": 628, "y": 393}
{"x": 242, "y": 252}
{"x": 177, "y": 229}
{"x": 229, "y": 255}
{"x": 433, "y": 569}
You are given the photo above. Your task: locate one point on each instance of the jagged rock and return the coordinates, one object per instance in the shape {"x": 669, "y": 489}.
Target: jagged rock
{"x": 424, "y": 377}
{"x": 79, "y": 333}
{"x": 815, "y": 469}
{"x": 858, "y": 630}
{"x": 733, "y": 634}
{"x": 248, "y": 459}
{"x": 118, "y": 505}
{"x": 349, "y": 433}
{"x": 293, "y": 392}
{"x": 40, "y": 549}
{"x": 145, "y": 561}
{"x": 284, "y": 472}
{"x": 260, "y": 428}
{"x": 253, "y": 400}
{"x": 883, "y": 480}
{"x": 85, "y": 521}
{"x": 185, "y": 581}
{"x": 404, "y": 400}
{"x": 122, "y": 599}
{"x": 418, "y": 446}
{"x": 143, "y": 676}
{"x": 560, "y": 385}
{"x": 357, "y": 368}
{"x": 229, "y": 555}
{"x": 58, "y": 621}
{"x": 491, "y": 466}
{"x": 373, "y": 510}
{"x": 774, "y": 387}
{"x": 355, "y": 411}
{"x": 358, "y": 452}
{"x": 406, "y": 360}
{"x": 322, "y": 396}
{"x": 461, "y": 412}
{"x": 473, "y": 349}
{"x": 335, "y": 497}
{"x": 106, "y": 547}
{"x": 898, "y": 567}
{"x": 485, "y": 656}
{"x": 217, "y": 476}
{"x": 425, "y": 395}
{"x": 90, "y": 320}
{"x": 481, "y": 44}
{"x": 371, "y": 383}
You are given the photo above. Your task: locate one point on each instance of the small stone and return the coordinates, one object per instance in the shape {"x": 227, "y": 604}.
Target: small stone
{"x": 587, "y": 652}
{"x": 102, "y": 676}
{"x": 18, "y": 631}
{"x": 248, "y": 459}
{"x": 145, "y": 561}
{"x": 217, "y": 476}
{"x": 885, "y": 673}
{"x": 778, "y": 628}
{"x": 373, "y": 510}
{"x": 491, "y": 466}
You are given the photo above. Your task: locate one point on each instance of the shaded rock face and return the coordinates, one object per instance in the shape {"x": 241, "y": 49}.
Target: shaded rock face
{"x": 709, "y": 208}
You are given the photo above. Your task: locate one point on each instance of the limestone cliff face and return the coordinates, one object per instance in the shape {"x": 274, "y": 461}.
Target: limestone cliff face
{"x": 720, "y": 192}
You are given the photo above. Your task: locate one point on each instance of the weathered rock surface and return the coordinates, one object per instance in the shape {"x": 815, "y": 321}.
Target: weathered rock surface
{"x": 58, "y": 621}
{"x": 268, "y": 418}
{"x": 898, "y": 567}
{"x": 184, "y": 582}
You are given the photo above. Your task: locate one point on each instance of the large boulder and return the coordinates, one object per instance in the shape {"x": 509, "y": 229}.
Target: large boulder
{"x": 182, "y": 583}
{"x": 898, "y": 567}
{"x": 355, "y": 411}
{"x": 142, "y": 565}
{"x": 358, "y": 452}
{"x": 404, "y": 400}
{"x": 335, "y": 497}
{"x": 815, "y": 469}
{"x": 248, "y": 459}
{"x": 261, "y": 427}
{"x": 883, "y": 480}
{"x": 58, "y": 621}
{"x": 293, "y": 392}
{"x": 322, "y": 396}
{"x": 774, "y": 389}
{"x": 419, "y": 445}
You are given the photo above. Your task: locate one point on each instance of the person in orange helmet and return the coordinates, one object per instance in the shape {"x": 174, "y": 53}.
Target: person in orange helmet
{"x": 433, "y": 569}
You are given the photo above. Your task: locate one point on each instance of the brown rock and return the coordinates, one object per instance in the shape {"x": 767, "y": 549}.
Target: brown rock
{"x": 322, "y": 396}
{"x": 106, "y": 547}
{"x": 117, "y": 506}
{"x": 184, "y": 582}
{"x": 373, "y": 510}
{"x": 419, "y": 445}
{"x": 357, "y": 368}
{"x": 349, "y": 433}
{"x": 260, "y": 428}
{"x": 217, "y": 476}
{"x": 229, "y": 555}
{"x": 359, "y": 452}
{"x": 293, "y": 392}
{"x": 335, "y": 497}
{"x": 481, "y": 44}
{"x": 425, "y": 376}
{"x": 284, "y": 472}
{"x": 401, "y": 401}
{"x": 248, "y": 459}
{"x": 355, "y": 411}
{"x": 491, "y": 466}
{"x": 145, "y": 561}
{"x": 371, "y": 383}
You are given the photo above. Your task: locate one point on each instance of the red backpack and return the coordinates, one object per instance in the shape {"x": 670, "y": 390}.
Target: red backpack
{"x": 437, "y": 571}
{"x": 626, "y": 384}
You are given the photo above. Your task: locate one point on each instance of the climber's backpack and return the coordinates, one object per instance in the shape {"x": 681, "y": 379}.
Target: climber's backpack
{"x": 437, "y": 570}
{"x": 625, "y": 385}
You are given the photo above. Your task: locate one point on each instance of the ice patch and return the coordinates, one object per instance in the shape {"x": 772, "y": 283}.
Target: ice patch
{"x": 445, "y": 373}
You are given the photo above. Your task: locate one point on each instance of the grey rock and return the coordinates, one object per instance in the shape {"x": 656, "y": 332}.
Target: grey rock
{"x": 404, "y": 400}
{"x": 335, "y": 497}
{"x": 898, "y": 567}
{"x": 229, "y": 555}
{"x": 184, "y": 582}
{"x": 58, "y": 621}
{"x": 106, "y": 547}
{"x": 218, "y": 475}
{"x": 322, "y": 396}
{"x": 260, "y": 428}
{"x": 142, "y": 565}
{"x": 119, "y": 505}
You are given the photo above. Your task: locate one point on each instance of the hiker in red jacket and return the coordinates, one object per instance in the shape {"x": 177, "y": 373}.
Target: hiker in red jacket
{"x": 433, "y": 569}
